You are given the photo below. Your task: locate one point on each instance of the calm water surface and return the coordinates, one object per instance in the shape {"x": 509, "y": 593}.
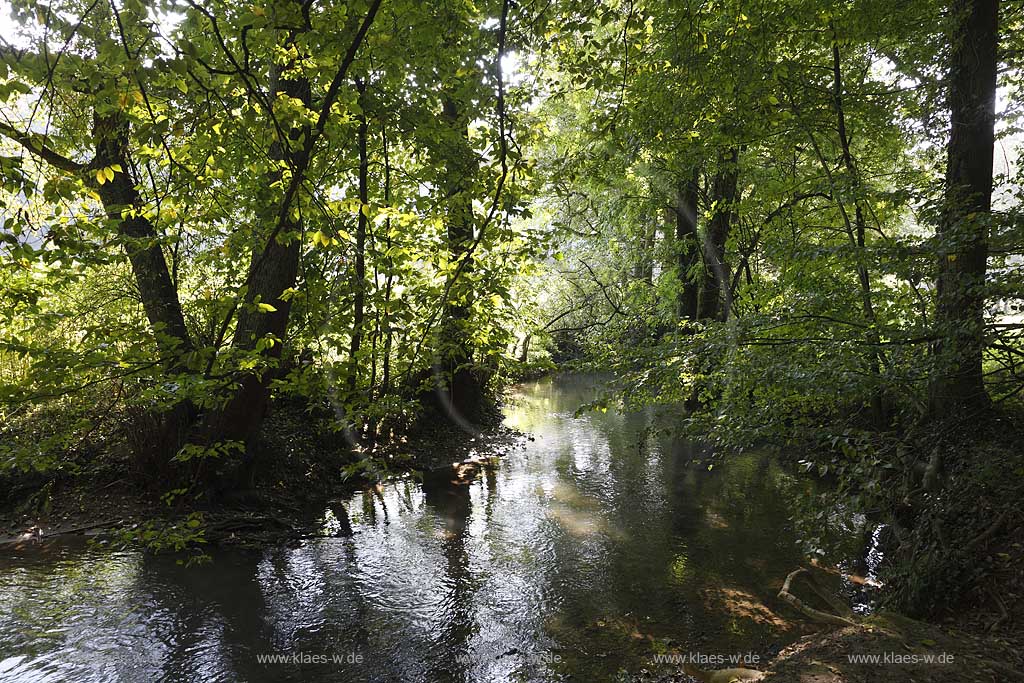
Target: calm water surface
{"x": 578, "y": 556}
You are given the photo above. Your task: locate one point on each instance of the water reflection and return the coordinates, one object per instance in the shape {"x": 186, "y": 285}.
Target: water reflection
{"x": 585, "y": 551}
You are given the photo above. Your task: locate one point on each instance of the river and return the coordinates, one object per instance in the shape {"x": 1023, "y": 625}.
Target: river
{"x": 582, "y": 554}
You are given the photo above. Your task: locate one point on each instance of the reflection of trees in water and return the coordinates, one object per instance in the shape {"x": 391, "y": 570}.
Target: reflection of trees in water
{"x": 348, "y": 628}
{"x": 708, "y": 543}
{"x": 449, "y": 498}
{"x": 686, "y": 485}
{"x": 730, "y": 527}
{"x": 369, "y": 498}
{"x": 216, "y": 620}
{"x": 822, "y": 521}
{"x": 340, "y": 513}
{"x": 491, "y": 487}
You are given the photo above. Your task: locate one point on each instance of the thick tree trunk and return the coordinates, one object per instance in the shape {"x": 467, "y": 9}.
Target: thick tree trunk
{"x": 687, "y": 247}
{"x": 958, "y": 387}
{"x": 359, "y": 283}
{"x": 273, "y": 269}
{"x": 124, "y": 205}
{"x": 716, "y": 273}
{"x": 169, "y": 428}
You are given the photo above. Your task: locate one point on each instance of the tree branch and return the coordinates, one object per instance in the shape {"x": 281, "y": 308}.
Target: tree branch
{"x": 37, "y": 147}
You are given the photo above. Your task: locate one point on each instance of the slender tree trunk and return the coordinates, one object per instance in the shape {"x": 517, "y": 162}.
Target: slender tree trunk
{"x": 687, "y": 247}
{"x": 958, "y": 387}
{"x": 857, "y": 236}
{"x": 643, "y": 267}
{"x": 716, "y": 273}
{"x": 156, "y": 288}
{"x": 462, "y": 392}
{"x": 359, "y": 284}
{"x": 524, "y": 353}
{"x": 385, "y": 380}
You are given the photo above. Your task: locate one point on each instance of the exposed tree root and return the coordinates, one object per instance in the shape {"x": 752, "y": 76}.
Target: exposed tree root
{"x": 838, "y": 606}
{"x": 37, "y": 535}
{"x": 723, "y": 675}
{"x": 808, "y": 611}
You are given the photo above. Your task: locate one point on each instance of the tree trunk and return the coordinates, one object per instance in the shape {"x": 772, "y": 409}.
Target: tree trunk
{"x": 385, "y": 380}
{"x": 154, "y": 449}
{"x": 643, "y": 266}
{"x": 273, "y": 270}
{"x": 857, "y": 234}
{"x": 524, "y": 353}
{"x": 958, "y": 387}
{"x": 687, "y": 247}
{"x": 716, "y": 274}
{"x": 359, "y": 293}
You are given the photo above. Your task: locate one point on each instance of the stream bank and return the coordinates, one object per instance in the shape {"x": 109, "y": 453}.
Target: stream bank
{"x": 300, "y": 465}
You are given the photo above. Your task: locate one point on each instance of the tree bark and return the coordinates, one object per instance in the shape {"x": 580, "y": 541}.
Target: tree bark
{"x": 273, "y": 269}
{"x": 716, "y": 274}
{"x": 169, "y": 428}
{"x": 958, "y": 387}
{"x": 385, "y": 380}
{"x": 124, "y": 206}
{"x": 524, "y": 353}
{"x": 643, "y": 266}
{"x": 687, "y": 247}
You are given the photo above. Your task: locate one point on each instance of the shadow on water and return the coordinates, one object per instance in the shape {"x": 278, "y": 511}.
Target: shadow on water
{"x": 589, "y": 550}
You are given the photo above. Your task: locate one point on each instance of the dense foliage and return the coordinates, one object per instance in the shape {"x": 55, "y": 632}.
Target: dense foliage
{"x": 770, "y": 185}
{"x": 206, "y": 205}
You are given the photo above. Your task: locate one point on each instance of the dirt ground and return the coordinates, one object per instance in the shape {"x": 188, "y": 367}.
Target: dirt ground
{"x": 884, "y": 648}
{"x": 903, "y": 650}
